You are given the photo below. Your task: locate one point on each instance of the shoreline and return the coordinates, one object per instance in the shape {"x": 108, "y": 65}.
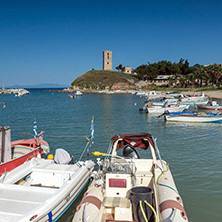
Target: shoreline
{"x": 214, "y": 94}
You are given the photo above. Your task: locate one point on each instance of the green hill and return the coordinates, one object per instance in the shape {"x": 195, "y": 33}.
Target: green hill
{"x": 100, "y": 79}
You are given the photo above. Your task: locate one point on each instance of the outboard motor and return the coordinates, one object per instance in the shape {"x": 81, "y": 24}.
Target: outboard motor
{"x": 62, "y": 157}
{"x": 129, "y": 151}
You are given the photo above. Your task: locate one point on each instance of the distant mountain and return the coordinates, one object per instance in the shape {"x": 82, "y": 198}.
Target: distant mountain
{"x": 44, "y": 85}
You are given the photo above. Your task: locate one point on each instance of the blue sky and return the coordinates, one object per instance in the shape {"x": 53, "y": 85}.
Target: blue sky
{"x": 50, "y": 41}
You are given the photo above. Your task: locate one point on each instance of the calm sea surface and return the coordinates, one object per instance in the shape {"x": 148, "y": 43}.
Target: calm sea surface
{"x": 193, "y": 151}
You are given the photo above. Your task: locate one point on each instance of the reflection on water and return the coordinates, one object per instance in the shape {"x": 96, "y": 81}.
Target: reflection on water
{"x": 192, "y": 150}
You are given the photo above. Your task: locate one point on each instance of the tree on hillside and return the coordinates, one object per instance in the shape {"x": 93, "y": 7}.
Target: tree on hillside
{"x": 199, "y": 74}
{"x": 119, "y": 67}
{"x": 191, "y": 77}
{"x": 215, "y": 71}
{"x": 163, "y": 67}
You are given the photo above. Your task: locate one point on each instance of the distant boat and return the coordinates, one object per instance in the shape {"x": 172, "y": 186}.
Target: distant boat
{"x": 194, "y": 99}
{"x": 193, "y": 117}
{"x": 154, "y": 94}
{"x": 22, "y": 93}
{"x": 102, "y": 91}
{"x": 110, "y": 92}
{"x": 78, "y": 93}
{"x": 71, "y": 96}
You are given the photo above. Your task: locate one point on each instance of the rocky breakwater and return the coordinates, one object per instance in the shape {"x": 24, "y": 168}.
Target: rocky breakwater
{"x": 11, "y": 91}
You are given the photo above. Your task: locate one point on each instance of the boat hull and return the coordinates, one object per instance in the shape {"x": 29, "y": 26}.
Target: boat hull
{"x": 157, "y": 109}
{"x": 193, "y": 119}
{"x": 22, "y": 151}
{"x": 12, "y": 164}
{"x": 210, "y": 107}
{"x": 195, "y": 102}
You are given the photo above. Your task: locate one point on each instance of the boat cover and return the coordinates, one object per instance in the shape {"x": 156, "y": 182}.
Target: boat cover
{"x": 62, "y": 156}
{"x": 139, "y": 140}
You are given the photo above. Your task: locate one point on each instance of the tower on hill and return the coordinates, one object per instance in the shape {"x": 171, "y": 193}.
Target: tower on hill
{"x": 107, "y": 60}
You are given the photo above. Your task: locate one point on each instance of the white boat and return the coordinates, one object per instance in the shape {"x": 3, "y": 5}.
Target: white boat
{"x": 194, "y": 99}
{"x": 213, "y": 105}
{"x": 162, "y": 101}
{"x": 41, "y": 190}
{"x": 193, "y": 117}
{"x": 129, "y": 188}
{"x": 78, "y": 93}
{"x": 154, "y": 94}
{"x": 151, "y": 108}
{"x": 194, "y": 103}
{"x": 110, "y": 92}
{"x": 141, "y": 94}
{"x": 22, "y": 92}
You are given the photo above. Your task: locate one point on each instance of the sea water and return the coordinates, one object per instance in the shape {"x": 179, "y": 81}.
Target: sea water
{"x": 193, "y": 151}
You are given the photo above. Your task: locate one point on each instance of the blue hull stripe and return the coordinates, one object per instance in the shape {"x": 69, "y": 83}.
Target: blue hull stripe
{"x": 70, "y": 202}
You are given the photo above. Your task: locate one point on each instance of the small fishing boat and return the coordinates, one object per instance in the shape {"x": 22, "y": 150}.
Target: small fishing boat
{"x": 129, "y": 188}
{"x": 78, "y": 93}
{"x": 3, "y": 105}
{"x": 41, "y": 189}
{"x": 151, "y": 108}
{"x": 71, "y": 96}
{"x": 22, "y": 92}
{"x": 201, "y": 99}
{"x": 15, "y": 153}
{"x": 154, "y": 94}
{"x": 213, "y": 105}
{"x": 193, "y": 117}
{"x": 110, "y": 92}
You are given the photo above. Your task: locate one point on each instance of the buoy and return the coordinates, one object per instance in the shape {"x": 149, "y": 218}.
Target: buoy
{"x": 50, "y": 157}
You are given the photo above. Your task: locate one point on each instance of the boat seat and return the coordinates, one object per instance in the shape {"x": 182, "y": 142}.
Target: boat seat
{"x": 143, "y": 173}
{"x": 116, "y": 202}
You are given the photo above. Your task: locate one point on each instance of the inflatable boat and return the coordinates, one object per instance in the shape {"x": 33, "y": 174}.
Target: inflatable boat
{"x": 131, "y": 184}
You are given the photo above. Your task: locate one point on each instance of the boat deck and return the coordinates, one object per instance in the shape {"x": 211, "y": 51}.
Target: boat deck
{"x": 20, "y": 200}
{"x": 29, "y": 187}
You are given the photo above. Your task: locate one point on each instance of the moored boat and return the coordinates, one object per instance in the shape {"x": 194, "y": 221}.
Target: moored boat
{"x": 193, "y": 117}
{"x": 78, "y": 93}
{"x": 22, "y": 92}
{"x": 213, "y": 105}
{"x": 71, "y": 96}
{"x": 194, "y": 99}
{"x": 151, "y": 108}
{"x": 41, "y": 190}
{"x": 110, "y": 92}
{"x": 129, "y": 188}
{"x": 15, "y": 153}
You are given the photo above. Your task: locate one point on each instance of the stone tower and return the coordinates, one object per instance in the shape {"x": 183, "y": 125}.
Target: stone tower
{"x": 107, "y": 60}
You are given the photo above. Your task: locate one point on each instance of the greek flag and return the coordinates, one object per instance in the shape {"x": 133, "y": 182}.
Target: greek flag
{"x": 92, "y": 130}
{"x": 35, "y": 129}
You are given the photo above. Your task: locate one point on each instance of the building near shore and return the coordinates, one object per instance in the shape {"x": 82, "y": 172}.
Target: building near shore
{"x": 127, "y": 69}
